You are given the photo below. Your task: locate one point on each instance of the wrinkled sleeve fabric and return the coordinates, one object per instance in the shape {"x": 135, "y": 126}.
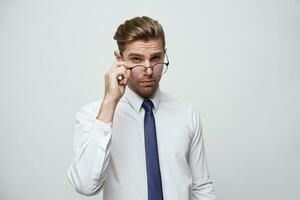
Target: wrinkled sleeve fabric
{"x": 92, "y": 144}
{"x": 202, "y": 186}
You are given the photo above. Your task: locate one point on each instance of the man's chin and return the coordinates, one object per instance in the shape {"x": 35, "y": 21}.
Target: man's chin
{"x": 145, "y": 92}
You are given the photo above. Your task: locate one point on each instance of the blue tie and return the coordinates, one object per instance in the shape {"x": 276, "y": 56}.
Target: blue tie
{"x": 152, "y": 160}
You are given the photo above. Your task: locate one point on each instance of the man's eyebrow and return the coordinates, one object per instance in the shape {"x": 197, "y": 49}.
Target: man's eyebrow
{"x": 135, "y": 54}
{"x": 141, "y": 55}
{"x": 157, "y": 54}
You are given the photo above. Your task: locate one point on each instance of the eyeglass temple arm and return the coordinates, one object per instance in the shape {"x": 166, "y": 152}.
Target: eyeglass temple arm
{"x": 168, "y": 62}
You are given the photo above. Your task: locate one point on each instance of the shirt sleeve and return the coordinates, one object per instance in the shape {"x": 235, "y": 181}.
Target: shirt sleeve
{"x": 202, "y": 186}
{"x": 91, "y": 154}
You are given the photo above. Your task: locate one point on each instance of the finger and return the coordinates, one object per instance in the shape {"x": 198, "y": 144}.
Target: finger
{"x": 118, "y": 55}
{"x": 123, "y": 82}
{"x": 119, "y": 73}
{"x": 120, "y": 78}
{"x": 124, "y": 79}
{"x": 123, "y": 67}
{"x": 119, "y": 64}
{"x": 128, "y": 73}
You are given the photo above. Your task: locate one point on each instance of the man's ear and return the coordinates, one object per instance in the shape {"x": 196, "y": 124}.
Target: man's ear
{"x": 118, "y": 56}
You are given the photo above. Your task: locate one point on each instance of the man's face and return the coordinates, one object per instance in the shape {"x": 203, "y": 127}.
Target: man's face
{"x": 139, "y": 52}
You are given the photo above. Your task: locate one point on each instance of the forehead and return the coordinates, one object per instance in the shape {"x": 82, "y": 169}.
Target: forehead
{"x": 142, "y": 47}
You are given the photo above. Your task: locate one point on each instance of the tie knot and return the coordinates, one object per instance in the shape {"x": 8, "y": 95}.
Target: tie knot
{"x": 147, "y": 105}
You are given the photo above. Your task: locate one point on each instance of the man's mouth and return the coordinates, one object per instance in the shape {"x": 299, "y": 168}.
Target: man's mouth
{"x": 147, "y": 82}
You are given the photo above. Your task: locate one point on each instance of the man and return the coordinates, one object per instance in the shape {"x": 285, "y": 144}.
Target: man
{"x": 140, "y": 143}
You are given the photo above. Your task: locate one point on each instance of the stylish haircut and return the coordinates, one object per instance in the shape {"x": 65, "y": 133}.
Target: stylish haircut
{"x": 139, "y": 28}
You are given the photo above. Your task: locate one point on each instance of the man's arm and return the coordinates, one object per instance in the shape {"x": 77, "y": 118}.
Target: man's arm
{"x": 87, "y": 172}
{"x": 91, "y": 152}
{"x": 202, "y": 188}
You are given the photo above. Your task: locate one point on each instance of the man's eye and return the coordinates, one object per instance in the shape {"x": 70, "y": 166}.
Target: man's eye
{"x": 135, "y": 59}
{"x": 156, "y": 58}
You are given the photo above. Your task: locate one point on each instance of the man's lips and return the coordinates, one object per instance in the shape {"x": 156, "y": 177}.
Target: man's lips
{"x": 147, "y": 82}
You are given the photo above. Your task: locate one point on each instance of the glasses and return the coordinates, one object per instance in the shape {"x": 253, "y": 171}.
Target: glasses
{"x": 158, "y": 68}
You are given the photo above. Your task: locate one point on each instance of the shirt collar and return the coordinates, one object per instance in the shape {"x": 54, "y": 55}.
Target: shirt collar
{"x": 136, "y": 101}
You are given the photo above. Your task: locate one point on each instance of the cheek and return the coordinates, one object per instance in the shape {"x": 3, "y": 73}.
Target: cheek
{"x": 134, "y": 76}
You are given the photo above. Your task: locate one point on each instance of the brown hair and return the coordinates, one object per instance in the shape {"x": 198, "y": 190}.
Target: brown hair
{"x": 139, "y": 28}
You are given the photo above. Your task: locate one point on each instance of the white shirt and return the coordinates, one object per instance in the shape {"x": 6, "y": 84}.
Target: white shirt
{"x": 112, "y": 156}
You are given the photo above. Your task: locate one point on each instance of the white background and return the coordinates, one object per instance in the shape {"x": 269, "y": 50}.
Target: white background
{"x": 236, "y": 60}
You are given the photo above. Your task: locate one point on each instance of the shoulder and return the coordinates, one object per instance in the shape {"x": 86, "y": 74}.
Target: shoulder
{"x": 176, "y": 103}
{"x": 179, "y": 107}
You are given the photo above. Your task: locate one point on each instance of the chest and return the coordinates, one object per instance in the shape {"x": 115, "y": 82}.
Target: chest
{"x": 173, "y": 133}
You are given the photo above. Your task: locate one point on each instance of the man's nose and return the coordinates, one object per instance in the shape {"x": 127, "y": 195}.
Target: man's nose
{"x": 147, "y": 63}
{"x": 149, "y": 69}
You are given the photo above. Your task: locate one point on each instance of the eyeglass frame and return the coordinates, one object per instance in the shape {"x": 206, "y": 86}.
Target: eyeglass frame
{"x": 145, "y": 68}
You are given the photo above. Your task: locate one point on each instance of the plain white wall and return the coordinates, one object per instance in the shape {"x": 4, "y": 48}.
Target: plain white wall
{"x": 238, "y": 61}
